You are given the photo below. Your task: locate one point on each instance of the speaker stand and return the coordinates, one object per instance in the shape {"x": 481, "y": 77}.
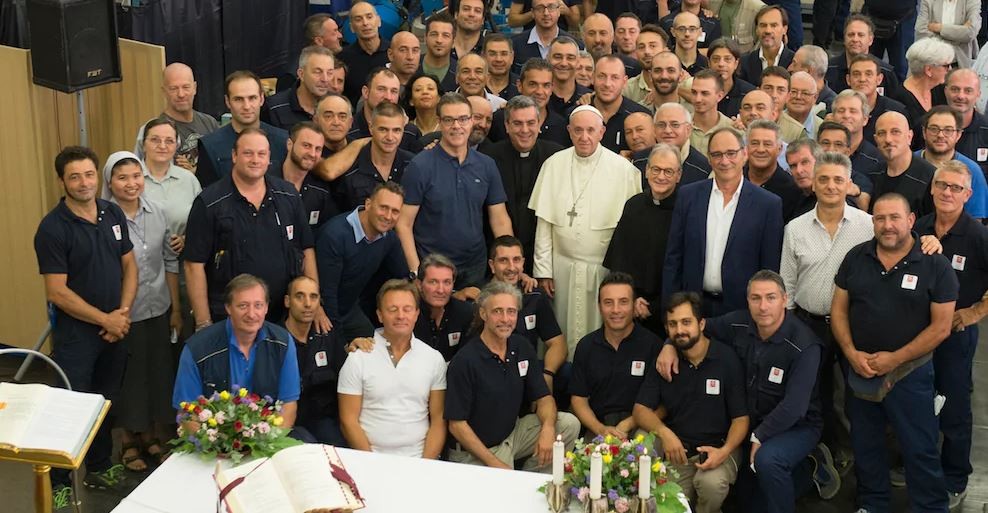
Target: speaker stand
{"x": 80, "y": 102}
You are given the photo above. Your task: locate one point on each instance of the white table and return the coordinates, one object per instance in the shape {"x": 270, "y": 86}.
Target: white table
{"x": 184, "y": 484}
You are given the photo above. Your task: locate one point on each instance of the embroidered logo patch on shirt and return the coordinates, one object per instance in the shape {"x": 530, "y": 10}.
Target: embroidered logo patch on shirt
{"x": 909, "y": 281}
{"x": 314, "y": 217}
{"x": 321, "y": 360}
{"x": 116, "y": 231}
{"x": 523, "y": 368}
{"x": 982, "y": 154}
{"x": 713, "y": 387}
{"x": 290, "y": 230}
{"x": 958, "y": 262}
{"x": 530, "y": 321}
{"x": 454, "y": 338}
{"x": 638, "y": 368}
{"x": 775, "y": 375}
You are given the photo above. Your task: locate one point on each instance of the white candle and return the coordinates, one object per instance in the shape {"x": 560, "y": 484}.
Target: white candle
{"x": 644, "y": 476}
{"x": 557, "y": 460}
{"x": 596, "y": 469}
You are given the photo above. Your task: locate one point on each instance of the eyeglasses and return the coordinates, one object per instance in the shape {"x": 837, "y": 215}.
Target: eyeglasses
{"x": 667, "y": 172}
{"x": 948, "y": 131}
{"x": 545, "y": 8}
{"x": 729, "y": 154}
{"x": 686, "y": 30}
{"x": 157, "y": 141}
{"x": 449, "y": 120}
{"x": 940, "y": 185}
{"x": 662, "y": 125}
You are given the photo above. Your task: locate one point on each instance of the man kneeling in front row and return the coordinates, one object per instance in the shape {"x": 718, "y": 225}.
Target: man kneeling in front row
{"x": 490, "y": 380}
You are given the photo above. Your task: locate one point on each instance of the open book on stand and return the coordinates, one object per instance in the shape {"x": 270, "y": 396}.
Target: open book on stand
{"x": 41, "y": 424}
{"x": 295, "y": 480}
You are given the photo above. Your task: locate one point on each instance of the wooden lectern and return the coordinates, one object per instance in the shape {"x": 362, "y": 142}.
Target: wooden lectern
{"x": 44, "y": 460}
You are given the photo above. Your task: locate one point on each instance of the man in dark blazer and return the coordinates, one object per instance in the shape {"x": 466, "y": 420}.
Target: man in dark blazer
{"x": 535, "y": 42}
{"x": 716, "y": 256}
{"x": 771, "y": 24}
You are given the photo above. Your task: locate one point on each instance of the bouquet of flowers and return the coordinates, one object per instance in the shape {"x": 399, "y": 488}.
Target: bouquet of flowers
{"x": 620, "y": 473}
{"x": 232, "y": 425}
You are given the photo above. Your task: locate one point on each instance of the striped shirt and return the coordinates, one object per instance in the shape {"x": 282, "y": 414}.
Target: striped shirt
{"x": 810, "y": 257}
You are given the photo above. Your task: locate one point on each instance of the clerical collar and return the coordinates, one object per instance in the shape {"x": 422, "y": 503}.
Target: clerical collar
{"x": 524, "y": 154}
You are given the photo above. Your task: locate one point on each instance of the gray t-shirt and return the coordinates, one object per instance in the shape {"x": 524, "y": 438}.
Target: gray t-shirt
{"x": 188, "y": 135}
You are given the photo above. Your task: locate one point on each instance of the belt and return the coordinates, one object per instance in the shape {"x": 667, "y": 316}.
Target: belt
{"x": 713, "y": 295}
{"x": 800, "y": 311}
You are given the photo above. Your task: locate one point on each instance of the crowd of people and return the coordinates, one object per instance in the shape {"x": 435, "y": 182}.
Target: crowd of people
{"x": 622, "y": 219}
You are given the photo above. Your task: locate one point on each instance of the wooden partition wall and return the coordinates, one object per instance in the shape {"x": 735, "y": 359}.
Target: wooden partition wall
{"x": 35, "y": 123}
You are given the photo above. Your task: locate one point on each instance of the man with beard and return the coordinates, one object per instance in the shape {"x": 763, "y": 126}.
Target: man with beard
{"x": 764, "y": 148}
{"x": 859, "y": 34}
{"x": 942, "y": 127}
{"x": 892, "y": 307}
{"x": 382, "y": 86}
{"x": 305, "y": 143}
{"x": 404, "y": 55}
{"x": 638, "y": 246}
{"x": 963, "y": 90}
{"x": 438, "y": 45}
{"x": 904, "y": 173}
{"x": 639, "y": 132}
{"x": 724, "y": 57}
{"x": 536, "y": 42}
{"x": 499, "y": 55}
{"x": 519, "y": 158}
{"x": 536, "y": 83}
{"x": 672, "y": 124}
{"x": 296, "y": 104}
{"x": 471, "y": 77}
{"x": 706, "y": 91}
{"x": 445, "y": 320}
{"x": 666, "y": 71}
{"x": 651, "y": 42}
{"x": 771, "y": 24}
{"x": 564, "y": 56}
{"x": 609, "y": 363}
{"x": 355, "y": 251}
{"x": 598, "y": 33}
{"x": 378, "y": 162}
{"x": 578, "y": 199}
{"x": 609, "y": 80}
{"x": 704, "y": 407}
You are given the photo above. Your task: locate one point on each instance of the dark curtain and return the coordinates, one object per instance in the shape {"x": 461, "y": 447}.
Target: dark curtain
{"x": 217, "y": 37}
{"x": 13, "y": 23}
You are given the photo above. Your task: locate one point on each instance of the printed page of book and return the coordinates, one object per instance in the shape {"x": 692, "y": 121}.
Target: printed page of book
{"x": 63, "y": 421}
{"x": 261, "y": 492}
{"x": 19, "y": 405}
{"x": 308, "y": 478}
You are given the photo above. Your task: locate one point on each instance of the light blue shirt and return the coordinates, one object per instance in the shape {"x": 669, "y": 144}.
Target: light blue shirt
{"x": 977, "y": 205}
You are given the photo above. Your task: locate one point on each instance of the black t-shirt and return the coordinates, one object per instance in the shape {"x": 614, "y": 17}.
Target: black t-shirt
{"x": 357, "y": 184}
{"x": 320, "y": 359}
{"x": 449, "y": 336}
{"x": 966, "y": 246}
{"x": 608, "y": 377}
{"x": 359, "y": 65}
{"x": 914, "y": 184}
{"x": 700, "y": 401}
{"x": 488, "y": 392}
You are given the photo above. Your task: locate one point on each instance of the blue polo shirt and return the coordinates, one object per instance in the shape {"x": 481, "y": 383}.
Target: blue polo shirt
{"x": 188, "y": 382}
{"x": 977, "y": 206}
{"x": 452, "y": 197}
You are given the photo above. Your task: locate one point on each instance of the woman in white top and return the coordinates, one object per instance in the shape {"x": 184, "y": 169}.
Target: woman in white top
{"x": 956, "y": 22}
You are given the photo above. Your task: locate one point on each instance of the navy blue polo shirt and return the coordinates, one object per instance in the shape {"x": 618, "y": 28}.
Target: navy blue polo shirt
{"x": 88, "y": 254}
{"x": 974, "y": 141}
{"x": 359, "y": 181}
{"x": 230, "y": 236}
{"x": 608, "y": 377}
{"x": 966, "y": 246}
{"x": 320, "y": 359}
{"x": 537, "y": 320}
{"x": 730, "y": 105}
{"x": 488, "y": 392}
{"x": 452, "y": 200}
{"x": 359, "y": 65}
{"x": 452, "y": 331}
{"x": 283, "y": 110}
{"x": 700, "y": 401}
{"x": 889, "y": 308}
{"x": 317, "y": 198}
{"x": 780, "y": 372}
{"x": 563, "y": 106}
{"x": 410, "y": 136}
{"x": 864, "y": 162}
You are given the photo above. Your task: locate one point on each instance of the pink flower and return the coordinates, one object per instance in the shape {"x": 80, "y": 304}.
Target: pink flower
{"x": 584, "y": 494}
{"x": 621, "y": 505}
{"x": 253, "y": 406}
{"x": 205, "y": 415}
{"x": 220, "y": 417}
{"x": 264, "y": 428}
{"x": 624, "y": 472}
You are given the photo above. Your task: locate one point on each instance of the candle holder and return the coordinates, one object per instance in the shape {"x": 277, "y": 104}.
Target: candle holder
{"x": 639, "y": 505}
{"x": 557, "y": 496}
{"x": 596, "y": 505}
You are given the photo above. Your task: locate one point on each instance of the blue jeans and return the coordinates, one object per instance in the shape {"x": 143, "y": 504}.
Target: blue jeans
{"x": 327, "y": 431}
{"x": 782, "y": 471}
{"x": 795, "y": 13}
{"x": 953, "y": 361}
{"x": 908, "y": 407}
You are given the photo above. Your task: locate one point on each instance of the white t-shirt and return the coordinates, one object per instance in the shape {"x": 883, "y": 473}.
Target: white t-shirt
{"x": 395, "y": 399}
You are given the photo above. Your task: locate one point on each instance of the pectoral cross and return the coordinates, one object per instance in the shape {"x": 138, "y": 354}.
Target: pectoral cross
{"x": 572, "y": 215}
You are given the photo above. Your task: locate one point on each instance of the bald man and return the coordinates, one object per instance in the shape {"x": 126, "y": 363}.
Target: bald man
{"x": 578, "y": 199}
{"x": 904, "y": 173}
{"x": 404, "y": 56}
{"x": 598, "y": 35}
{"x": 639, "y": 132}
{"x": 802, "y": 103}
{"x": 178, "y": 85}
{"x": 471, "y": 77}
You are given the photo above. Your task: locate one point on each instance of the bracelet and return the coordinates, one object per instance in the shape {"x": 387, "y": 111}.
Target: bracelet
{"x": 549, "y": 373}
{"x": 203, "y": 324}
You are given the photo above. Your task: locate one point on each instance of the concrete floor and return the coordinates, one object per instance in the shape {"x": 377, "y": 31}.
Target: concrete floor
{"x": 16, "y": 483}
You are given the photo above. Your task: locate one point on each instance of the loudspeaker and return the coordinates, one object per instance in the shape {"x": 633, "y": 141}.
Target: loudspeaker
{"x": 73, "y": 43}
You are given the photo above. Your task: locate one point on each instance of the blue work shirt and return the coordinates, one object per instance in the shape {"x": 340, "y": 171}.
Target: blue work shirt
{"x": 188, "y": 382}
{"x": 977, "y": 205}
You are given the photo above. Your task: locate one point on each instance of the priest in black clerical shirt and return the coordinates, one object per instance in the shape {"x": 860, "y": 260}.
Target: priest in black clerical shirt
{"x": 638, "y": 246}
{"x": 519, "y": 158}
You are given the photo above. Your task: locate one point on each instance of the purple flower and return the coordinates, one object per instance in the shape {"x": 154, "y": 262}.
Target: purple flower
{"x": 598, "y": 439}
{"x": 573, "y": 491}
{"x": 612, "y": 494}
{"x": 630, "y": 457}
{"x": 640, "y": 449}
{"x": 234, "y": 389}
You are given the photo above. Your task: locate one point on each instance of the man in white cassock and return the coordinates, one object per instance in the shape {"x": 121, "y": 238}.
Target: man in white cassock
{"x": 578, "y": 200}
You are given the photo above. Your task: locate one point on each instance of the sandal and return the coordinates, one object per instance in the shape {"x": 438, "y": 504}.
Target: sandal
{"x": 159, "y": 456}
{"x": 134, "y": 462}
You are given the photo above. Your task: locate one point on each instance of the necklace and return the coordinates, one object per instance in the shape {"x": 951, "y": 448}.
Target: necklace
{"x": 572, "y": 211}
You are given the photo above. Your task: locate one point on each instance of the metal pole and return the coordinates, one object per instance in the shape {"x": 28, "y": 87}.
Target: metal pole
{"x": 81, "y": 111}
{"x": 30, "y": 356}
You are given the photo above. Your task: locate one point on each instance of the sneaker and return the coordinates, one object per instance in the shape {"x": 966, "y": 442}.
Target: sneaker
{"x": 897, "y": 475}
{"x": 825, "y": 475}
{"x": 61, "y": 497}
{"x": 105, "y": 480}
{"x": 956, "y": 499}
